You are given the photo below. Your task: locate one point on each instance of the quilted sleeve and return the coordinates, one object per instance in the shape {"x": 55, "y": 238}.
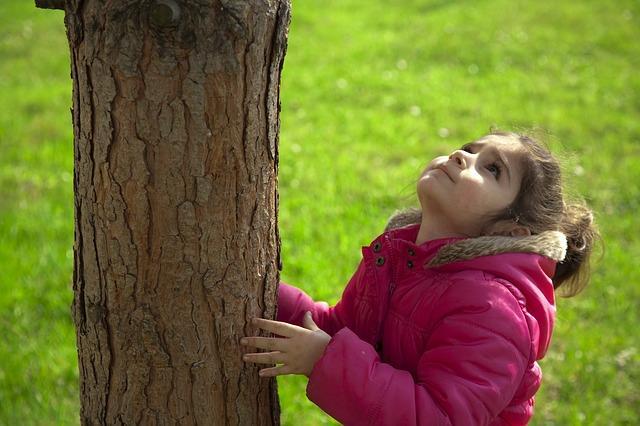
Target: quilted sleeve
{"x": 293, "y": 303}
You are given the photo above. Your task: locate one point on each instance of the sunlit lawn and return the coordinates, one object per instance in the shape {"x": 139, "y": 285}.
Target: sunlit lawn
{"x": 370, "y": 91}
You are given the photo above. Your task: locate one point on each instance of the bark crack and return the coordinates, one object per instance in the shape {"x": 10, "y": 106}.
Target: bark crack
{"x": 193, "y": 319}
{"x": 245, "y": 111}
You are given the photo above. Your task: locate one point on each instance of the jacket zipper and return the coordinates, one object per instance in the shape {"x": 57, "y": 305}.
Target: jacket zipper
{"x": 392, "y": 287}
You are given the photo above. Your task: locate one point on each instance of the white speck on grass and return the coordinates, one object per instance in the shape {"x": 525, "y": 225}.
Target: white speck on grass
{"x": 415, "y": 110}
{"x": 443, "y": 132}
{"x": 401, "y": 64}
{"x": 342, "y": 83}
{"x": 388, "y": 75}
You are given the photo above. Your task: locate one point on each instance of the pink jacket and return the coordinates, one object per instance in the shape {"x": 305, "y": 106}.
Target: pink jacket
{"x": 447, "y": 332}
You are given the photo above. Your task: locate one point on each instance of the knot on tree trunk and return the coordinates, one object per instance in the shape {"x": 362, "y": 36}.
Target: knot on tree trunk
{"x": 50, "y": 4}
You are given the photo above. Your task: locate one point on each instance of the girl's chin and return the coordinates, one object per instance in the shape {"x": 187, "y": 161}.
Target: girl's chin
{"x": 427, "y": 191}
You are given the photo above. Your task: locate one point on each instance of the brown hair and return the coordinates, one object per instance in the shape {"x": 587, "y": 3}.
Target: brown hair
{"x": 541, "y": 206}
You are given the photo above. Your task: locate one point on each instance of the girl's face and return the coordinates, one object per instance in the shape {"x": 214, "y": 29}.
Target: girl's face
{"x": 459, "y": 193}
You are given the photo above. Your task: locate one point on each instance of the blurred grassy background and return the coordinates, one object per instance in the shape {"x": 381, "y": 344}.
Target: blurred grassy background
{"x": 371, "y": 90}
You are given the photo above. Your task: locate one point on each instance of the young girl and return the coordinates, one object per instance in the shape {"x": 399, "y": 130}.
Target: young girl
{"x": 451, "y": 307}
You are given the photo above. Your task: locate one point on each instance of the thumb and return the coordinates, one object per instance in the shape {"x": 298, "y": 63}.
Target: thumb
{"x": 308, "y": 322}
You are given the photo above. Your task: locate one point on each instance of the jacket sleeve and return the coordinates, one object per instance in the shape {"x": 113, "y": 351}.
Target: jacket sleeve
{"x": 474, "y": 360}
{"x": 293, "y": 303}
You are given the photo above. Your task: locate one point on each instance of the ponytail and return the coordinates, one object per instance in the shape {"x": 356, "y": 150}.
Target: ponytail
{"x": 573, "y": 272}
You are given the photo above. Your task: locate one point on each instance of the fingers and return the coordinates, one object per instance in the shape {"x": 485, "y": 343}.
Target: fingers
{"x": 268, "y": 343}
{"x": 276, "y": 327}
{"x": 265, "y": 358}
{"x": 308, "y": 323}
{"x": 269, "y": 358}
{"x": 282, "y": 350}
{"x": 275, "y": 371}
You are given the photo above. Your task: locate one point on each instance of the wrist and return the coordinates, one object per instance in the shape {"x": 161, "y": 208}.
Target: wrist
{"x": 318, "y": 352}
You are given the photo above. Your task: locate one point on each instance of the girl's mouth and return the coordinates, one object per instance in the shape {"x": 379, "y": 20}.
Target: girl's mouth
{"x": 443, "y": 168}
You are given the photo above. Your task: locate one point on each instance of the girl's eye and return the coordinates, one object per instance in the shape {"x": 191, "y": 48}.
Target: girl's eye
{"x": 494, "y": 169}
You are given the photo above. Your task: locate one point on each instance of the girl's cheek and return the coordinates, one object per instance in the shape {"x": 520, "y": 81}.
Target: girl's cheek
{"x": 470, "y": 187}
{"x": 472, "y": 197}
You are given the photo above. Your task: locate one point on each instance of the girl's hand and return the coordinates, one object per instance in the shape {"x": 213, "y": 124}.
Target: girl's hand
{"x": 296, "y": 352}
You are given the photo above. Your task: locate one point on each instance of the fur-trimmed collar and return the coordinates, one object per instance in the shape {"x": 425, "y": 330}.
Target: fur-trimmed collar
{"x": 551, "y": 244}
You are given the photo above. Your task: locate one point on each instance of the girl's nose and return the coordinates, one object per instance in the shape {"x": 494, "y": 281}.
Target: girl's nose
{"x": 460, "y": 157}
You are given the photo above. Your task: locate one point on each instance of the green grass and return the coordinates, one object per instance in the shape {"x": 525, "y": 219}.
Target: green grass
{"x": 370, "y": 92}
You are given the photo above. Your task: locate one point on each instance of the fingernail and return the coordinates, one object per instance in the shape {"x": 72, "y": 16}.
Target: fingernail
{"x": 254, "y": 321}
{"x": 243, "y": 341}
{"x": 245, "y": 358}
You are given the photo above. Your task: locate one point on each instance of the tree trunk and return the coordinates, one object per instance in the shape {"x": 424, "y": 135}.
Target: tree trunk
{"x": 176, "y": 121}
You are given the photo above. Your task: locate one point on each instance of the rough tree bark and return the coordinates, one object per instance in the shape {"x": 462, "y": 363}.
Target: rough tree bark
{"x": 176, "y": 120}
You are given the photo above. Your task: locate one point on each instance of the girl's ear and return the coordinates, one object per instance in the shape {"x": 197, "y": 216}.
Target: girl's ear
{"x": 520, "y": 231}
{"x": 508, "y": 228}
